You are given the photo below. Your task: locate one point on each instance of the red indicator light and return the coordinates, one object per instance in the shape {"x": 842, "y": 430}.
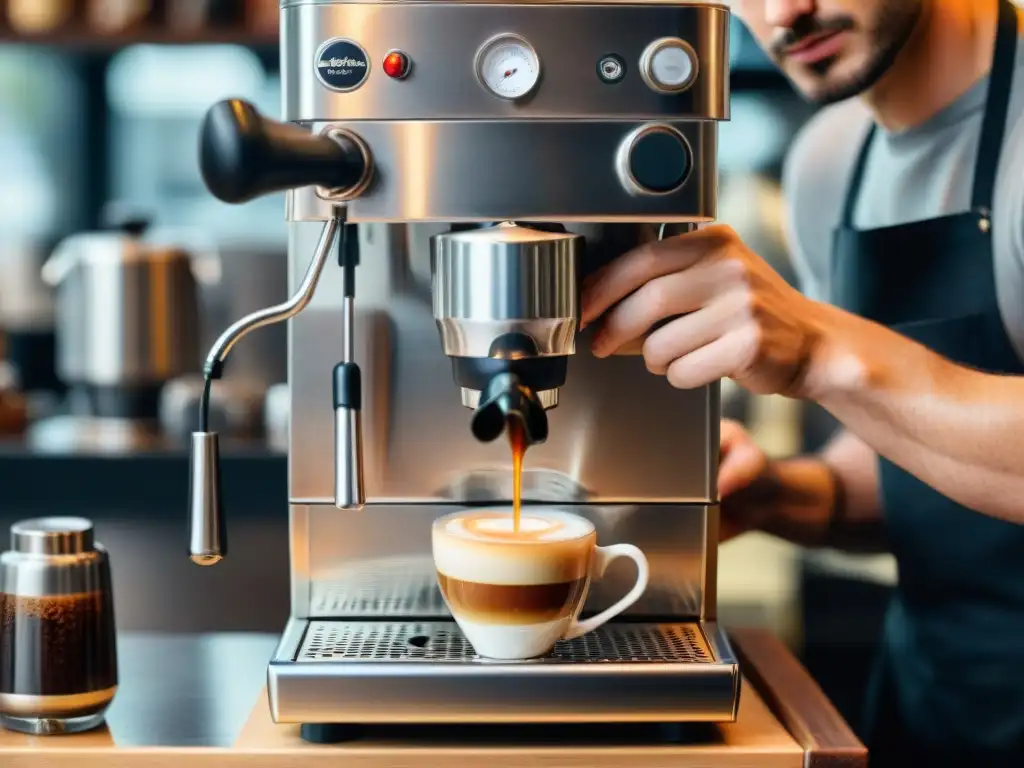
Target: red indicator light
{"x": 396, "y": 65}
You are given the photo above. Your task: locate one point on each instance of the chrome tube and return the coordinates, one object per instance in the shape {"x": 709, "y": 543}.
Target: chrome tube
{"x": 288, "y": 309}
{"x": 349, "y": 489}
{"x": 208, "y": 536}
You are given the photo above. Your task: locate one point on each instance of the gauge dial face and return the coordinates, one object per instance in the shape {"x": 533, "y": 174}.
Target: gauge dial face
{"x": 508, "y": 66}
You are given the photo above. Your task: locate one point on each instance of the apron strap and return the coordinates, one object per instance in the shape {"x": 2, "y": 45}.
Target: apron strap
{"x": 993, "y": 127}
{"x": 853, "y": 188}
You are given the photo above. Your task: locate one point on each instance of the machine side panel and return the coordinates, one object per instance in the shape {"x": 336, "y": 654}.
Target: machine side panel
{"x": 299, "y": 556}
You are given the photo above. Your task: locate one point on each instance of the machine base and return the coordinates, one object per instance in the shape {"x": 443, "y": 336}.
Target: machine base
{"x": 330, "y": 733}
{"x": 341, "y": 674}
{"x": 643, "y": 733}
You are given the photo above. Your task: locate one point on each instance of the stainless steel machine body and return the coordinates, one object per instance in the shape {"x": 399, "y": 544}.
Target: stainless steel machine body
{"x": 606, "y": 142}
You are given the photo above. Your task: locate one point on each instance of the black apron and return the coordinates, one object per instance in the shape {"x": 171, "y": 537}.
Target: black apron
{"x": 950, "y": 680}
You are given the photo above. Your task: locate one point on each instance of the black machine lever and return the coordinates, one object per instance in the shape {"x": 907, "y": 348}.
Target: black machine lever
{"x": 244, "y": 155}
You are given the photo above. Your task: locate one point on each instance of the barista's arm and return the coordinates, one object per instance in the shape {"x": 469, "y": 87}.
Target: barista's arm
{"x": 827, "y": 499}
{"x": 958, "y": 430}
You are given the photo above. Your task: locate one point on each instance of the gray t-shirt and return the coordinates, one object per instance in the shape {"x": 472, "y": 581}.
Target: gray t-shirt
{"x": 921, "y": 173}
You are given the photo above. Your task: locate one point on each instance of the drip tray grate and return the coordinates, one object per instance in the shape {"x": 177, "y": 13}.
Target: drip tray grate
{"x": 441, "y": 641}
{"x": 410, "y": 596}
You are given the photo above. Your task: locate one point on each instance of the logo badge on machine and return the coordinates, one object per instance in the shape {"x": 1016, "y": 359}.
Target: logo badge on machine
{"x": 342, "y": 65}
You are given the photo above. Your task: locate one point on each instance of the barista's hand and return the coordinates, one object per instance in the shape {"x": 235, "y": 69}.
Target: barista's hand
{"x": 740, "y": 319}
{"x": 743, "y": 469}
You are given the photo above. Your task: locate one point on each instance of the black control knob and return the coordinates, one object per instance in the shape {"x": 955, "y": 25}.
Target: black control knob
{"x": 654, "y": 160}
{"x": 243, "y": 155}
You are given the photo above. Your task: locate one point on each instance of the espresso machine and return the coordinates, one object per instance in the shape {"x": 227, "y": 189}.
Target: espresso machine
{"x": 454, "y": 171}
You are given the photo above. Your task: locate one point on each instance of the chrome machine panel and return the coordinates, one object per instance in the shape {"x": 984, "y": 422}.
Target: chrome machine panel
{"x": 416, "y": 118}
{"x": 442, "y": 40}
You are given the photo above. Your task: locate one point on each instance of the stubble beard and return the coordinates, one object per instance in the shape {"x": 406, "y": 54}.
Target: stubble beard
{"x": 894, "y": 26}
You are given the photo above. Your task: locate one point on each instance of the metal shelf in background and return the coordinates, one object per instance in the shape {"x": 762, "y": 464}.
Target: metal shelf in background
{"x": 138, "y": 484}
{"x": 86, "y": 39}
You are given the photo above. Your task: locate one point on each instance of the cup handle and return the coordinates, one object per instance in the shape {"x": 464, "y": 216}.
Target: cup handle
{"x": 603, "y": 556}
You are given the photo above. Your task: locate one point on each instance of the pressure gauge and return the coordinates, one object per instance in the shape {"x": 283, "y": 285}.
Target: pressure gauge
{"x": 508, "y": 66}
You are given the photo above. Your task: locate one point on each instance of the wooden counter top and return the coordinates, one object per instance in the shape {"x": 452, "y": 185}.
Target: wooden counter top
{"x": 784, "y": 722}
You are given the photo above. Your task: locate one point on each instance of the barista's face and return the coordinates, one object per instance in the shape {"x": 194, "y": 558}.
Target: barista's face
{"x": 830, "y": 49}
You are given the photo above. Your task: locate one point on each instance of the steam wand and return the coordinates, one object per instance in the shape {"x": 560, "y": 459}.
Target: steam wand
{"x": 208, "y": 535}
{"x": 348, "y": 390}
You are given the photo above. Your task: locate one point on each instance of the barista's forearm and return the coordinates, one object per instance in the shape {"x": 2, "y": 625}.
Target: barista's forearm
{"x": 830, "y": 499}
{"x": 958, "y": 430}
{"x": 798, "y": 497}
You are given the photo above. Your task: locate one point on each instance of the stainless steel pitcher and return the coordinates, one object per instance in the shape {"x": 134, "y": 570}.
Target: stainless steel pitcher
{"x": 127, "y": 310}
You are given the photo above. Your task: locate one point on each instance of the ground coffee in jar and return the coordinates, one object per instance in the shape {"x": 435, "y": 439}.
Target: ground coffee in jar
{"x": 58, "y": 658}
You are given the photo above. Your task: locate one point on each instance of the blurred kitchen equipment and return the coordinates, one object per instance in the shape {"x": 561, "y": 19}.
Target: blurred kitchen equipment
{"x": 127, "y": 313}
{"x": 13, "y": 405}
{"x": 127, "y": 323}
{"x": 242, "y": 278}
{"x": 27, "y": 315}
{"x": 84, "y": 434}
{"x": 236, "y": 410}
{"x": 197, "y": 15}
{"x": 276, "y": 410}
{"x": 261, "y": 16}
{"x": 470, "y": 194}
{"x": 58, "y": 651}
{"x": 39, "y": 17}
{"x": 234, "y": 278}
{"x": 118, "y": 16}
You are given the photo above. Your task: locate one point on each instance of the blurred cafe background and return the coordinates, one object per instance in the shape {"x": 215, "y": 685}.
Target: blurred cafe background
{"x": 100, "y": 102}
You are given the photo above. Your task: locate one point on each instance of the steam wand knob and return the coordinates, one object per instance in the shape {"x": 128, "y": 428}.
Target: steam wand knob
{"x": 244, "y": 155}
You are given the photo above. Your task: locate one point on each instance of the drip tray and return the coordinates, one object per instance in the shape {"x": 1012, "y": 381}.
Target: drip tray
{"x": 426, "y": 672}
{"x": 441, "y": 642}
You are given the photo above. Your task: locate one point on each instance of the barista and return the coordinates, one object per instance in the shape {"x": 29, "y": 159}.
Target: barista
{"x": 906, "y": 198}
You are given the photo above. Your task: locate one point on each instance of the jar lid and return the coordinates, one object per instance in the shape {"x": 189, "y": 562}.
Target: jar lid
{"x": 52, "y": 536}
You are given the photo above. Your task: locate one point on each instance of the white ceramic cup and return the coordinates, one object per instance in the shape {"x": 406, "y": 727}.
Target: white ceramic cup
{"x": 515, "y": 594}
